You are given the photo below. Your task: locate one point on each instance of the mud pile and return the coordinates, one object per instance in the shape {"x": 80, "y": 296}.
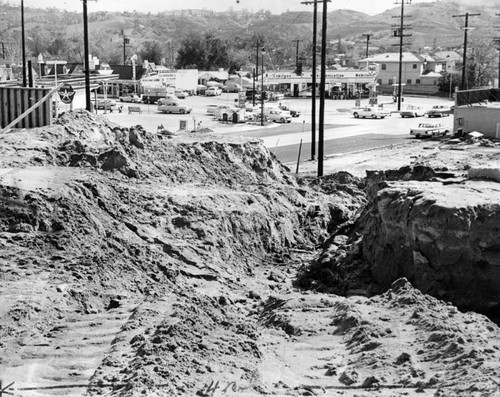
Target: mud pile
{"x": 135, "y": 263}
{"x": 433, "y": 225}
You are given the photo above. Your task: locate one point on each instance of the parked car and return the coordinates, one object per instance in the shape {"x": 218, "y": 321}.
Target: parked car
{"x": 213, "y": 91}
{"x": 232, "y": 87}
{"x": 429, "y": 130}
{"x": 107, "y": 104}
{"x": 412, "y": 111}
{"x": 181, "y": 94}
{"x": 171, "y": 106}
{"x": 370, "y": 111}
{"x": 286, "y": 108}
{"x": 278, "y": 116}
{"x": 220, "y": 109}
{"x": 439, "y": 111}
{"x": 134, "y": 98}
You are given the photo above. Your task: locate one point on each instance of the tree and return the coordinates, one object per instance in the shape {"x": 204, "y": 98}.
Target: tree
{"x": 192, "y": 53}
{"x": 480, "y": 69}
{"x": 206, "y": 52}
{"x": 151, "y": 51}
{"x": 448, "y": 81}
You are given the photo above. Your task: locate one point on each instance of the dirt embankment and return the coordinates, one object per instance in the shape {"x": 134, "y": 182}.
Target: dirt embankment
{"x": 135, "y": 263}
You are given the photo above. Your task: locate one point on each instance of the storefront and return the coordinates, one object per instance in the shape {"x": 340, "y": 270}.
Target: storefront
{"x": 350, "y": 83}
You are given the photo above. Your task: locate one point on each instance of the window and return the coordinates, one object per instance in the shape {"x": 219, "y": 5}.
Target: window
{"x": 390, "y": 82}
{"x": 408, "y": 81}
{"x": 417, "y": 81}
{"x": 379, "y": 81}
{"x": 384, "y": 66}
{"x": 414, "y": 66}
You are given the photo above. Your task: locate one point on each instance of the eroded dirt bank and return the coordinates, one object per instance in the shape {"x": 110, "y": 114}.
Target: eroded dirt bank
{"x": 137, "y": 264}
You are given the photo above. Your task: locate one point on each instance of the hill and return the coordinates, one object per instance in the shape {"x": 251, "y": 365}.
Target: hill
{"x": 57, "y": 33}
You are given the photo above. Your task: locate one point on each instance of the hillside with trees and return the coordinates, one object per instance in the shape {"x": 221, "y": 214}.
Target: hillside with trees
{"x": 211, "y": 40}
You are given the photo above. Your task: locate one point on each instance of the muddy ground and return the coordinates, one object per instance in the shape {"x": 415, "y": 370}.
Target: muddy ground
{"x": 141, "y": 264}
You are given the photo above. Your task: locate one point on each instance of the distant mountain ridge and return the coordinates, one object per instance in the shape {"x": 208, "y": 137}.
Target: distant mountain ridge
{"x": 432, "y": 25}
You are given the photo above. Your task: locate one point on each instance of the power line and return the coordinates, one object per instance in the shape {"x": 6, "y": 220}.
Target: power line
{"x": 466, "y": 28}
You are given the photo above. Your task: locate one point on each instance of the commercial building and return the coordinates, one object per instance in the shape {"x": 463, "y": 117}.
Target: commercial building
{"x": 347, "y": 83}
{"x": 477, "y": 110}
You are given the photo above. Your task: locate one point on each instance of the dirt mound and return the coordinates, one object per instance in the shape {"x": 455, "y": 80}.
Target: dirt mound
{"x": 115, "y": 215}
{"x": 156, "y": 264}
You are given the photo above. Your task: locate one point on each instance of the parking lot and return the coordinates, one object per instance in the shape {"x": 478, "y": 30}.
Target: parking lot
{"x": 339, "y": 122}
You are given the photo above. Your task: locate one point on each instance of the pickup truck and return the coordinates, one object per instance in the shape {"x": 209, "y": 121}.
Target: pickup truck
{"x": 131, "y": 98}
{"x": 429, "y": 130}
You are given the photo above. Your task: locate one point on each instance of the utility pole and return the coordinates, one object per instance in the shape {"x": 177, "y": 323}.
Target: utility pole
{"x": 400, "y": 32}
{"x": 256, "y": 76}
{"x": 322, "y": 84}
{"x": 297, "y": 53}
{"x": 126, "y": 41}
{"x": 314, "y": 70}
{"x": 23, "y": 43}
{"x": 367, "y": 42}
{"x": 497, "y": 42}
{"x": 466, "y": 28}
{"x": 86, "y": 55}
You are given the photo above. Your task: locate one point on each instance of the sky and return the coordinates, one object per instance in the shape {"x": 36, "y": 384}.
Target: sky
{"x": 275, "y": 6}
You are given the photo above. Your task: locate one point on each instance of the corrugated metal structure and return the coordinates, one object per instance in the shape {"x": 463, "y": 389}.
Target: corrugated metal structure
{"x": 14, "y": 101}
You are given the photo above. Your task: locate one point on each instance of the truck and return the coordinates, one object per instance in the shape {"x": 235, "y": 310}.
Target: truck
{"x": 152, "y": 95}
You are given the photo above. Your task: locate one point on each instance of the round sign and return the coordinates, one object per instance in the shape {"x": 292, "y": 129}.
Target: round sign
{"x": 66, "y": 93}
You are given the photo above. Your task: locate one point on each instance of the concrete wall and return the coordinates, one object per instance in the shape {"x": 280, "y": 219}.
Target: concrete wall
{"x": 477, "y": 118}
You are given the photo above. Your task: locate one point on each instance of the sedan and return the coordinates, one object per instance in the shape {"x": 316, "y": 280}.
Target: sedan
{"x": 181, "y": 94}
{"x": 278, "y": 116}
{"x": 213, "y": 91}
{"x": 412, "y": 111}
{"x": 439, "y": 111}
{"x": 372, "y": 112}
{"x": 429, "y": 130}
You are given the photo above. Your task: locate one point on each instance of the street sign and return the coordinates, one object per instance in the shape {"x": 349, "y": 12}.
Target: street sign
{"x": 66, "y": 93}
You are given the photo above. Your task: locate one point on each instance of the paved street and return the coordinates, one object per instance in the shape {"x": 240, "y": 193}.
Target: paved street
{"x": 343, "y": 133}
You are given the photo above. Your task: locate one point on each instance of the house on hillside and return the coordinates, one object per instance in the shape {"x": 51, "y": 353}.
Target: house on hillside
{"x": 420, "y": 73}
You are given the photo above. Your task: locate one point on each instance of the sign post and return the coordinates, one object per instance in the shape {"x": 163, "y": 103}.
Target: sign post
{"x": 66, "y": 94}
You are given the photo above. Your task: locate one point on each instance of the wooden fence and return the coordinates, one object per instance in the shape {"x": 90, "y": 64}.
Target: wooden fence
{"x": 14, "y": 101}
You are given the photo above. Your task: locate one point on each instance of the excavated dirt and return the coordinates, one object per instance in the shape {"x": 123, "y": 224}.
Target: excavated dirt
{"x": 165, "y": 265}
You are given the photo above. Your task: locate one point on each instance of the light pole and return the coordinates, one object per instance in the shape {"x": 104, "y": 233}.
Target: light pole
{"x": 86, "y": 66}
{"x": 262, "y": 52}
{"x": 24, "y": 43}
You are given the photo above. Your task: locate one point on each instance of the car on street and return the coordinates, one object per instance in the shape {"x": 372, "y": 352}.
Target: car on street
{"x": 181, "y": 94}
{"x": 439, "y": 111}
{"x": 371, "y": 112}
{"x": 412, "y": 111}
{"x": 286, "y": 108}
{"x": 278, "y": 116}
{"x": 232, "y": 87}
{"x": 173, "y": 107}
{"x": 134, "y": 98}
{"x": 213, "y": 91}
{"x": 429, "y": 130}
